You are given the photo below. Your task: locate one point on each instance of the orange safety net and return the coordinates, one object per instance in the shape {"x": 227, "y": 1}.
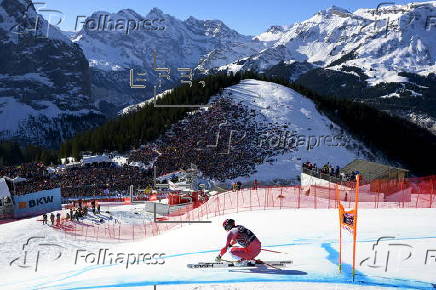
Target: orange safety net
{"x": 414, "y": 193}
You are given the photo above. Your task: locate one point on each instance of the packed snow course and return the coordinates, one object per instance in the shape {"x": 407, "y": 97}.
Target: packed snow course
{"x": 308, "y": 236}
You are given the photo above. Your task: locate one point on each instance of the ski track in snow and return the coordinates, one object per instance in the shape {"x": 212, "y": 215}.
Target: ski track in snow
{"x": 313, "y": 247}
{"x": 332, "y": 257}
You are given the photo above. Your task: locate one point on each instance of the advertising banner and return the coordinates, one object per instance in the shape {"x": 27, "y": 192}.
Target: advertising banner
{"x": 37, "y": 203}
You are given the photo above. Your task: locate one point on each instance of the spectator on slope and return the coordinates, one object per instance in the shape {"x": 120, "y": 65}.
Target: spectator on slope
{"x": 52, "y": 218}
{"x": 58, "y": 219}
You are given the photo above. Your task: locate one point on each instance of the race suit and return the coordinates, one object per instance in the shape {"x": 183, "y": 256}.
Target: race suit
{"x": 250, "y": 244}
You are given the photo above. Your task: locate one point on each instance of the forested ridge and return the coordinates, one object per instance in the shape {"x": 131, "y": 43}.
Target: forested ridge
{"x": 398, "y": 139}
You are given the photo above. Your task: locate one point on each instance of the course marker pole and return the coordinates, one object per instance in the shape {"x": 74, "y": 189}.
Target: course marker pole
{"x": 340, "y": 232}
{"x": 356, "y": 205}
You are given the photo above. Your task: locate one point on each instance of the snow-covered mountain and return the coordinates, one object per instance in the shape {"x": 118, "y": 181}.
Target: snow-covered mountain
{"x": 44, "y": 79}
{"x": 192, "y": 43}
{"x": 336, "y": 37}
{"x": 57, "y": 83}
{"x": 256, "y": 129}
{"x": 370, "y": 53}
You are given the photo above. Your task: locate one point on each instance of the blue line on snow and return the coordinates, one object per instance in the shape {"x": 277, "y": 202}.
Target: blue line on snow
{"x": 332, "y": 256}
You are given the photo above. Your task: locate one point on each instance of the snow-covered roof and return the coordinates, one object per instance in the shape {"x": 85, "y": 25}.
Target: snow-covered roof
{"x": 95, "y": 159}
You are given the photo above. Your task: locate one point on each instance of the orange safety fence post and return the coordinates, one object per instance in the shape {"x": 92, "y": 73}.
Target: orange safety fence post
{"x": 329, "y": 197}
{"x": 271, "y": 196}
{"x": 264, "y": 198}
{"x": 356, "y": 206}
{"x": 375, "y": 201}
{"x": 402, "y": 192}
{"x": 200, "y": 210}
{"x": 229, "y": 198}
{"x": 299, "y": 196}
{"x": 242, "y": 195}
{"x": 250, "y": 198}
{"x": 217, "y": 205}
{"x": 237, "y": 202}
{"x": 224, "y": 203}
{"x": 340, "y": 233}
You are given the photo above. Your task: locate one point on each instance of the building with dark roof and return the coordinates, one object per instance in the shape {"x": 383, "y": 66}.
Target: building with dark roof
{"x": 370, "y": 171}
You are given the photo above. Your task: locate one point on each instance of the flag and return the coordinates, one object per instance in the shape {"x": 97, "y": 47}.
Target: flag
{"x": 347, "y": 218}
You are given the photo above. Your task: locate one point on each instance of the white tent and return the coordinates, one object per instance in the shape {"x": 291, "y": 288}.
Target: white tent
{"x": 4, "y": 189}
{"x": 95, "y": 159}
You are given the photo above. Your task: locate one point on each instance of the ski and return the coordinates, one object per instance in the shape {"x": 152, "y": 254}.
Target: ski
{"x": 272, "y": 264}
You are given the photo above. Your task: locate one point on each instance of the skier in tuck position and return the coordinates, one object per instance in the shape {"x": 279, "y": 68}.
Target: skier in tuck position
{"x": 250, "y": 244}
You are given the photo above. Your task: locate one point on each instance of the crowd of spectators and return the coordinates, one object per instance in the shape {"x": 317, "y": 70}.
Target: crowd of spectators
{"x": 145, "y": 154}
{"x": 25, "y": 170}
{"x": 99, "y": 179}
{"x": 332, "y": 171}
{"x": 102, "y": 180}
{"x": 223, "y": 141}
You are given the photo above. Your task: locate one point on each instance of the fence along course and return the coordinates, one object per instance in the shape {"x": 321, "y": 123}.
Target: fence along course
{"x": 414, "y": 193}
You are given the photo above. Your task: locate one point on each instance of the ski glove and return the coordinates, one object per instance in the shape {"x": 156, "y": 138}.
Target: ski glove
{"x": 218, "y": 258}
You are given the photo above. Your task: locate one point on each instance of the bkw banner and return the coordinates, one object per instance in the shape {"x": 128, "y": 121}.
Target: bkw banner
{"x": 37, "y": 203}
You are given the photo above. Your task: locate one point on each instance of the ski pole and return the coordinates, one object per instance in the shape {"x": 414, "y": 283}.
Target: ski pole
{"x": 275, "y": 251}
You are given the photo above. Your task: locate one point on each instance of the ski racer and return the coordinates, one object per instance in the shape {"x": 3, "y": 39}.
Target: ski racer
{"x": 250, "y": 244}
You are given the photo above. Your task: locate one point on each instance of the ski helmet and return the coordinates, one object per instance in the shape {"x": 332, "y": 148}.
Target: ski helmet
{"x": 228, "y": 224}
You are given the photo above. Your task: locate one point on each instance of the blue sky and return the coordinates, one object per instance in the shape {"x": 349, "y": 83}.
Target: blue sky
{"x": 249, "y": 17}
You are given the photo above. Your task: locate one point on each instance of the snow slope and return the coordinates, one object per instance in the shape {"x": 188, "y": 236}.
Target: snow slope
{"x": 309, "y": 236}
{"x": 277, "y": 104}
